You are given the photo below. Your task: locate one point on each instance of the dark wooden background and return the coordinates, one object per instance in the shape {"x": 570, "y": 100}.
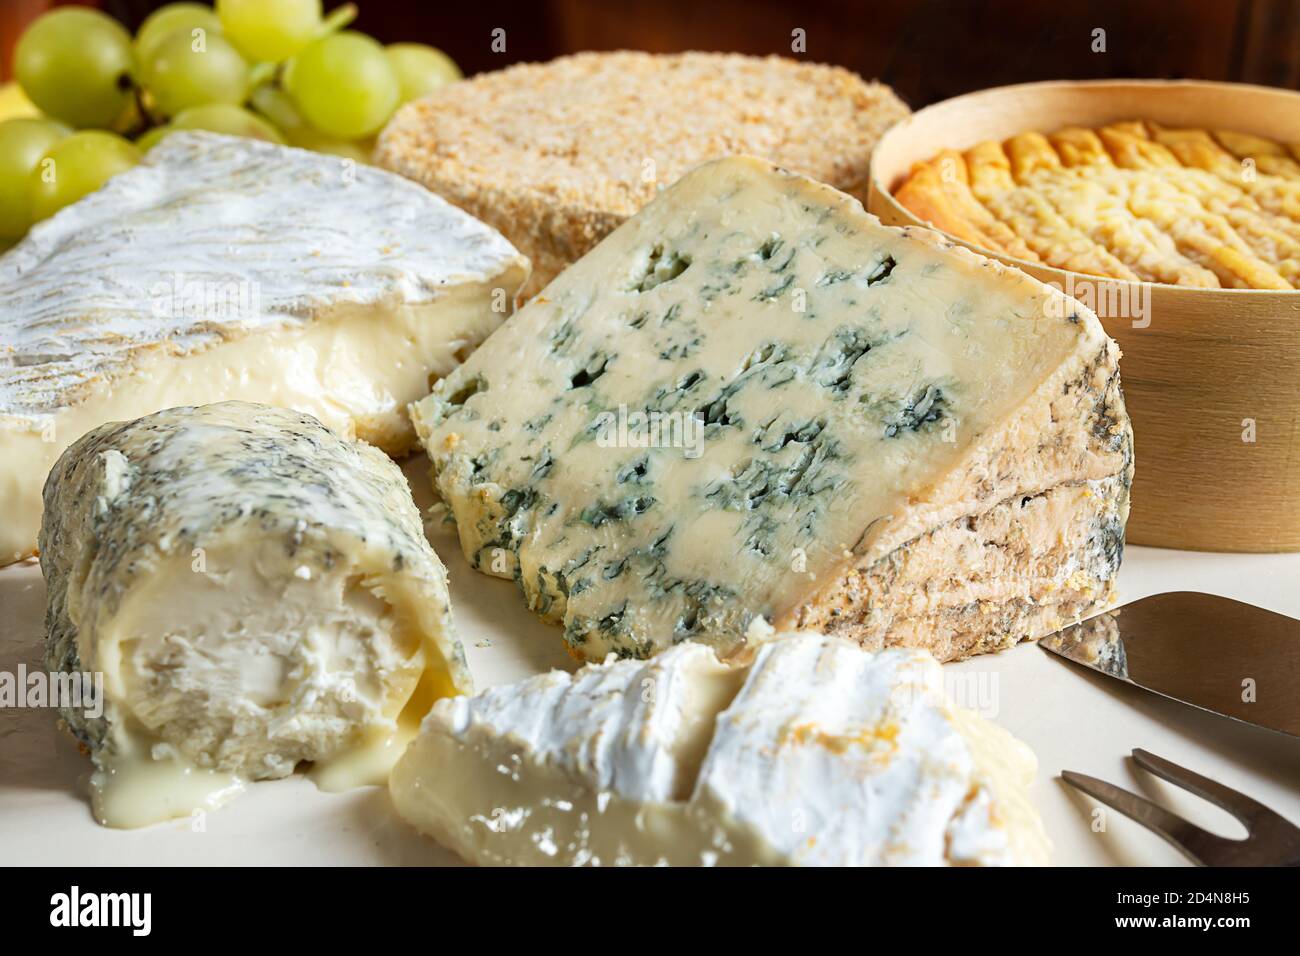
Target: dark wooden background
{"x": 927, "y": 49}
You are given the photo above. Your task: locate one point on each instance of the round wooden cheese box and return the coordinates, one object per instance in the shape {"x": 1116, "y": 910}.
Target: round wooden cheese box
{"x": 1211, "y": 376}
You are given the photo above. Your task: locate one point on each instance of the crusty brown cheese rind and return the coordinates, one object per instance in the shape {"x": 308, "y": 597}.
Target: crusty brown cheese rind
{"x": 555, "y": 155}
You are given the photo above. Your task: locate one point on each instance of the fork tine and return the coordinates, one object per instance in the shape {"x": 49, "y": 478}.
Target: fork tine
{"x": 1186, "y": 836}
{"x": 1238, "y": 804}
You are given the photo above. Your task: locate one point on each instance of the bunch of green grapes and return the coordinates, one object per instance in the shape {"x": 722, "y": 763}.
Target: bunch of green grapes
{"x": 276, "y": 70}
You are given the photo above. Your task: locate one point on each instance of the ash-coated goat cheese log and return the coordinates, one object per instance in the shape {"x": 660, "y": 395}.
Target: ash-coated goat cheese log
{"x": 227, "y": 268}
{"x": 256, "y": 592}
{"x": 753, "y": 399}
{"x": 814, "y": 752}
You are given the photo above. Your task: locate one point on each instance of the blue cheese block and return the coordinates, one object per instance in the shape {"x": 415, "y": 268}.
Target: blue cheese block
{"x": 255, "y": 591}
{"x": 810, "y": 752}
{"x": 753, "y": 399}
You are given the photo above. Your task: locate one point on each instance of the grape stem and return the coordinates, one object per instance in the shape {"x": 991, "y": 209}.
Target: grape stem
{"x": 145, "y": 119}
{"x": 337, "y": 20}
{"x": 258, "y": 74}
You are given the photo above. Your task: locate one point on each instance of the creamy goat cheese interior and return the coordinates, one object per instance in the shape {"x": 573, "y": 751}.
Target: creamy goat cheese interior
{"x": 227, "y": 268}
{"x": 257, "y": 593}
{"x": 815, "y": 752}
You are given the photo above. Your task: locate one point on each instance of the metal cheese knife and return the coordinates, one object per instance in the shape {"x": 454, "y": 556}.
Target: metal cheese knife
{"x": 1220, "y": 655}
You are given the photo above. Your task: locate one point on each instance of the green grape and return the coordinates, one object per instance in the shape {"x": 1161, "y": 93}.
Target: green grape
{"x": 22, "y": 144}
{"x": 277, "y": 106}
{"x": 271, "y": 30}
{"x": 308, "y": 138}
{"x": 75, "y": 166}
{"x": 148, "y": 140}
{"x": 170, "y": 19}
{"x": 185, "y": 71}
{"x": 75, "y": 64}
{"x": 421, "y": 69}
{"x": 231, "y": 120}
{"x": 344, "y": 85}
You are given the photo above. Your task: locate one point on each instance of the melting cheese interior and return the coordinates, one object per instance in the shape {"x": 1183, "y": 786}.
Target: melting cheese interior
{"x": 268, "y": 667}
{"x": 355, "y": 370}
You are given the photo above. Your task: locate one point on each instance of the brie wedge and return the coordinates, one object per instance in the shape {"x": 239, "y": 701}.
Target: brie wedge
{"x": 227, "y": 268}
{"x": 816, "y": 753}
{"x": 255, "y": 591}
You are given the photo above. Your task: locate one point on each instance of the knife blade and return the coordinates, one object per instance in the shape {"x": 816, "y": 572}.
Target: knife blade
{"x": 1224, "y": 656}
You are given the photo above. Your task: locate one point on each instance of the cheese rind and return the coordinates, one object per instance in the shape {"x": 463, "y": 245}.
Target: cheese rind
{"x": 226, "y": 268}
{"x": 256, "y": 592}
{"x": 1131, "y": 200}
{"x": 834, "y": 399}
{"x": 813, "y": 753}
{"x": 556, "y": 155}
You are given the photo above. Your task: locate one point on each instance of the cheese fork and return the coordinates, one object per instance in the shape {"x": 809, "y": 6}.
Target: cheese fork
{"x": 1271, "y": 840}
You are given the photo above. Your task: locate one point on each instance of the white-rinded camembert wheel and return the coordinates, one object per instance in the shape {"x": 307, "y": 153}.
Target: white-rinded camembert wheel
{"x": 753, "y": 399}
{"x": 256, "y": 592}
{"x": 817, "y": 753}
{"x": 227, "y": 268}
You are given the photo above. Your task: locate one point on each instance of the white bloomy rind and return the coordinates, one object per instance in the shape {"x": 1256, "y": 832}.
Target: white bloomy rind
{"x": 227, "y": 268}
{"x": 816, "y": 752}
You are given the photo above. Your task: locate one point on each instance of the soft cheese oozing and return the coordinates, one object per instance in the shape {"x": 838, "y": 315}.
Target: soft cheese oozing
{"x": 225, "y": 268}
{"x": 317, "y": 650}
{"x": 898, "y": 440}
{"x": 256, "y": 591}
{"x": 815, "y": 753}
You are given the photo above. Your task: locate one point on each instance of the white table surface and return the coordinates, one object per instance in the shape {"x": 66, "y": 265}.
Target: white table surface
{"x": 1072, "y": 718}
